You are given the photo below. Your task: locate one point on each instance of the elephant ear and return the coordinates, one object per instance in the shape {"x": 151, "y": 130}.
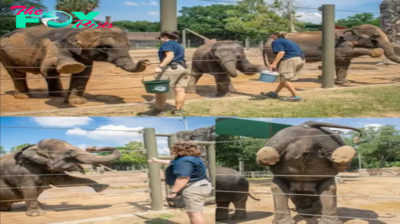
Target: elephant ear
{"x": 34, "y": 154}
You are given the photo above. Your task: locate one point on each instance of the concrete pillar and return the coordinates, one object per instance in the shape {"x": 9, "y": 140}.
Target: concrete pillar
{"x": 108, "y": 19}
{"x": 328, "y": 46}
{"x": 168, "y": 15}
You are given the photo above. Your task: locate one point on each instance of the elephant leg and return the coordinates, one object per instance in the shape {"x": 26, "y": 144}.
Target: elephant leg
{"x": 68, "y": 181}
{"x": 6, "y": 206}
{"x": 342, "y": 67}
{"x": 222, "y": 211}
{"x": 54, "y": 84}
{"x": 20, "y": 84}
{"x": 327, "y": 192}
{"x": 240, "y": 209}
{"x": 77, "y": 86}
{"x": 223, "y": 82}
{"x": 280, "y": 191}
{"x": 194, "y": 78}
{"x": 30, "y": 195}
{"x": 307, "y": 206}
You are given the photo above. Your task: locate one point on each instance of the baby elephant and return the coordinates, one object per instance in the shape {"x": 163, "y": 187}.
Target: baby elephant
{"x": 305, "y": 160}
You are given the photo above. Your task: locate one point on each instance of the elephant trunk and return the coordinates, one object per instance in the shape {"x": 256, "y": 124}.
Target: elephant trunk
{"x": 229, "y": 66}
{"x": 127, "y": 64}
{"x": 390, "y": 52}
{"x": 327, "y": 125}
{"x": 88, "y": 158}
{"x": 247, "y": 68}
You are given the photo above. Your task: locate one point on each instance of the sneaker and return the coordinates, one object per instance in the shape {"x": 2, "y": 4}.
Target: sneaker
{"x": 292, "y": 98}
{"x": 177, "y": 112}
{"x": 153, "y": 113}
{"x": 271, "y": 94}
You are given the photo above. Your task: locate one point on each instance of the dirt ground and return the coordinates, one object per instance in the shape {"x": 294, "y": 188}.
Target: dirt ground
{"x": 123, "y": 202}
{"x": 357, "y": 205}
{"x": 110, "y": 85}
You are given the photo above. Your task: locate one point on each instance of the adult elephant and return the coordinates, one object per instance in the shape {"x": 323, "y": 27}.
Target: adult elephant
{"x": 230, "y": 187}
{"x": 350, "y": 43}
{"x": 48, "y": 51}
{"x": 305, "y": 160}
{"x": 221, "y": 59}
{"x": 24, "y": 175}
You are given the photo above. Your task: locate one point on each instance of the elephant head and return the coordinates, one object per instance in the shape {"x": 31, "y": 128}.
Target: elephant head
{"x": 59, "y": 156}
{"x": 102, "y": 44}
{"x": 369, "y": 36}
{"x": 231, "y": 57}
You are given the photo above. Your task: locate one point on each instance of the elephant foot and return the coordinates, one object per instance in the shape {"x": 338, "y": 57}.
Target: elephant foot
{"x": 283, "y": 220}
{"x": 76, "y": 100}
{"x": 222, "y": 214}
{"x": 100, "y": 187}
{"x": 5, "y": 207}
{"x": 219, "y": 94}
{"x": 342, "y": 156}
{"x": 330, "y": 220}
{"x": 239, "y": 215}
{"x": 35, "y": 212}
{"x": 22, "y": 96}
{"x": 341, "y": 82}
{"x": 376, "y": 53}
{"x": 267, "y": 156}
{"x": 70, "y": 67}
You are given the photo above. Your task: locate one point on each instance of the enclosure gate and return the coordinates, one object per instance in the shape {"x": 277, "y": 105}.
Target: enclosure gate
{"x": 155, "y": 184}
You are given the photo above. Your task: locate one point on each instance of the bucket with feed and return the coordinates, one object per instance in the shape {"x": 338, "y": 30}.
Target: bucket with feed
{"x": 268, "y": 76}
{"x": 156, "y": 86}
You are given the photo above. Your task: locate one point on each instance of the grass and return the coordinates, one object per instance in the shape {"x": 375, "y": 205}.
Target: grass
{"x": 162, "y": 219}
{"x": 382, "y": 101}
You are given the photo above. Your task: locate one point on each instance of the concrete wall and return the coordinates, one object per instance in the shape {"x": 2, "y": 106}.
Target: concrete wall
{"x": 393, "y": 171}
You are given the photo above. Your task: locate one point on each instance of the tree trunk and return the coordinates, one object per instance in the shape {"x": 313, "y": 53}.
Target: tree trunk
{"x": 383, "y": 162}
{"x": 390, "y": 22}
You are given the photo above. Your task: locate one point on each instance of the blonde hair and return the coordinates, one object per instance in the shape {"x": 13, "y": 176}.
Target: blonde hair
{"x": 185, "y": 148}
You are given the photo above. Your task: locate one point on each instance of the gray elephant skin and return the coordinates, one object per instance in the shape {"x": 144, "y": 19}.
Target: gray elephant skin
{"x": 24, "y": 175}
{"x": 50, "y": 52}
{"x": 221, "y": 59}
{"x": 305, "y": 160}
{"x": 364, "y": 40}
{"x": 231, "y": 180}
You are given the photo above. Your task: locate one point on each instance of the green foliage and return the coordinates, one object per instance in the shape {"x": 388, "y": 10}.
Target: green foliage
{"x": 19, "y": 147}
{"x": 131, "y": 154}
{"x": 359, "y": 19}
{"x": 380, "y": 147}
{"x": 138, "y": 26}
{"x": 84, "y": 6}
{"x": 255, "y": 19}
{"x": 2, "y": 151}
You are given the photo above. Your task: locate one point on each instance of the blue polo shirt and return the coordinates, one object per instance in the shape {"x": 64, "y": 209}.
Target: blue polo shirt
{"x": 185, "y": 166}
{"x": 173, "y": 46}
{"x": 290, "y": 48}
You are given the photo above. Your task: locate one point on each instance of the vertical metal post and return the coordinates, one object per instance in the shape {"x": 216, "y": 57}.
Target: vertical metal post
{"x": 171, "y": 140}
{"x": 211, "y": 165}
{"x": 168, "y": 15}
{"x": 247, "y": 44}
{"x": 150, "y": 144}
{"x": 189, "y": 43}
{"x": 167, "y": 190}
{"x": 328, "y": 46}
{"x": 359, "y": 161}
{"x": 184, "y": 38}
{"x": 241, "y": 165}
{"x": 108, "y": 19}
{"x": 261, "y": 45}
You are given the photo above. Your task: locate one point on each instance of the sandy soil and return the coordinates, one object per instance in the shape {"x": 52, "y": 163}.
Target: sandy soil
{"x": 353, "y": 208}
{"x": 111, "y": 85}
{"x": 125, "y": 196}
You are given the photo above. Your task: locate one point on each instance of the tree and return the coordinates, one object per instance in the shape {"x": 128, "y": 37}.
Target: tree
{"x": 138, "y": 26}
{"x": 70, "y": 6}
{"x": 2, "y": 151}
{"x": 378, "y": 146}
{"x": 359, "y": 19}
{"x": 132, "y": 154}
{"x": 255, "y": 19}
{"x": 19, "y": 147}
{"x": 289, "y": 8}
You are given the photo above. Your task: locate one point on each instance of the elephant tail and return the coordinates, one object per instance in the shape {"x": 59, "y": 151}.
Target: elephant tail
{"x": 254, "y": 197}
{"x": 313, "y": 124}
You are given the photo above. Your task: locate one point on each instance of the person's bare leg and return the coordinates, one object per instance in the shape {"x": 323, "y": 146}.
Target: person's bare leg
{"x": 180, "y": 96}
{"x": 196, "y": 218}
{"x": 291, "y": 88}
{"x": 280, "y": 87}
{"x": 161, "y": 100}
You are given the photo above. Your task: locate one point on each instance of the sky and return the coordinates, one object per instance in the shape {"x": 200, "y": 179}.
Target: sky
{"x": 149, "y": 9}
{"x": 72, "y": 130}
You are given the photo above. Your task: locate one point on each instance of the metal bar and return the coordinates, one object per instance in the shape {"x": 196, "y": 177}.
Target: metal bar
{"x": 204, "y": 143}
{"x": 328, "y": 46}
{"x": 211, "y": 165}
{"x": 241, "y": 166}
{"x": 197, "y": 34}
{"x": 247, "y": 42}
{"x": 171, "y": 140}
{"x": 150, "y": 143}
{"x": 168, "y": 15}
{"x": 184, "y": 38}
{"x": 108, "y": 19}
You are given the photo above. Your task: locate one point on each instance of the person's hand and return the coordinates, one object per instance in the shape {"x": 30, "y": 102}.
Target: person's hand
{"x": 158, "y": 70}
{"x": 273, "y": 66}
{"x": 152, "y": 160}
{"x": 171, "y": 196}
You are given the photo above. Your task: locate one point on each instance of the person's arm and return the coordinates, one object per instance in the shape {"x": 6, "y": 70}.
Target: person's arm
{"x": 279, "y": 50}
{"x": 179, "y": 184}
{"x": 183, "y": 170}
{"x": 168, "y": 59}
{"x": 279, "y": 57}
{"x": 155, "y": 160}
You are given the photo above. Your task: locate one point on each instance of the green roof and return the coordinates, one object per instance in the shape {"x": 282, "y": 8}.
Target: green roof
{"x": 248, "y": 128}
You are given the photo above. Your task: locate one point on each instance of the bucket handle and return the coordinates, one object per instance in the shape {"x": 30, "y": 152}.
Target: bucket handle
{"x": 165, "y": 75}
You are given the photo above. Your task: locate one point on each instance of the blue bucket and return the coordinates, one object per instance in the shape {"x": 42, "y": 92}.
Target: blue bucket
{"x": 268, "y": 76}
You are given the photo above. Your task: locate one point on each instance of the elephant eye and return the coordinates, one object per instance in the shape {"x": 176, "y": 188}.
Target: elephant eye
{"x": 104, "y": 47}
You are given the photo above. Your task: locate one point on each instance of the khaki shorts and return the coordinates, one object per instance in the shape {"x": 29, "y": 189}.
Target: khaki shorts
{"x": 289, "y": 69}
{"x": 195, "y": 196}
{"x": 178, "y": 77}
